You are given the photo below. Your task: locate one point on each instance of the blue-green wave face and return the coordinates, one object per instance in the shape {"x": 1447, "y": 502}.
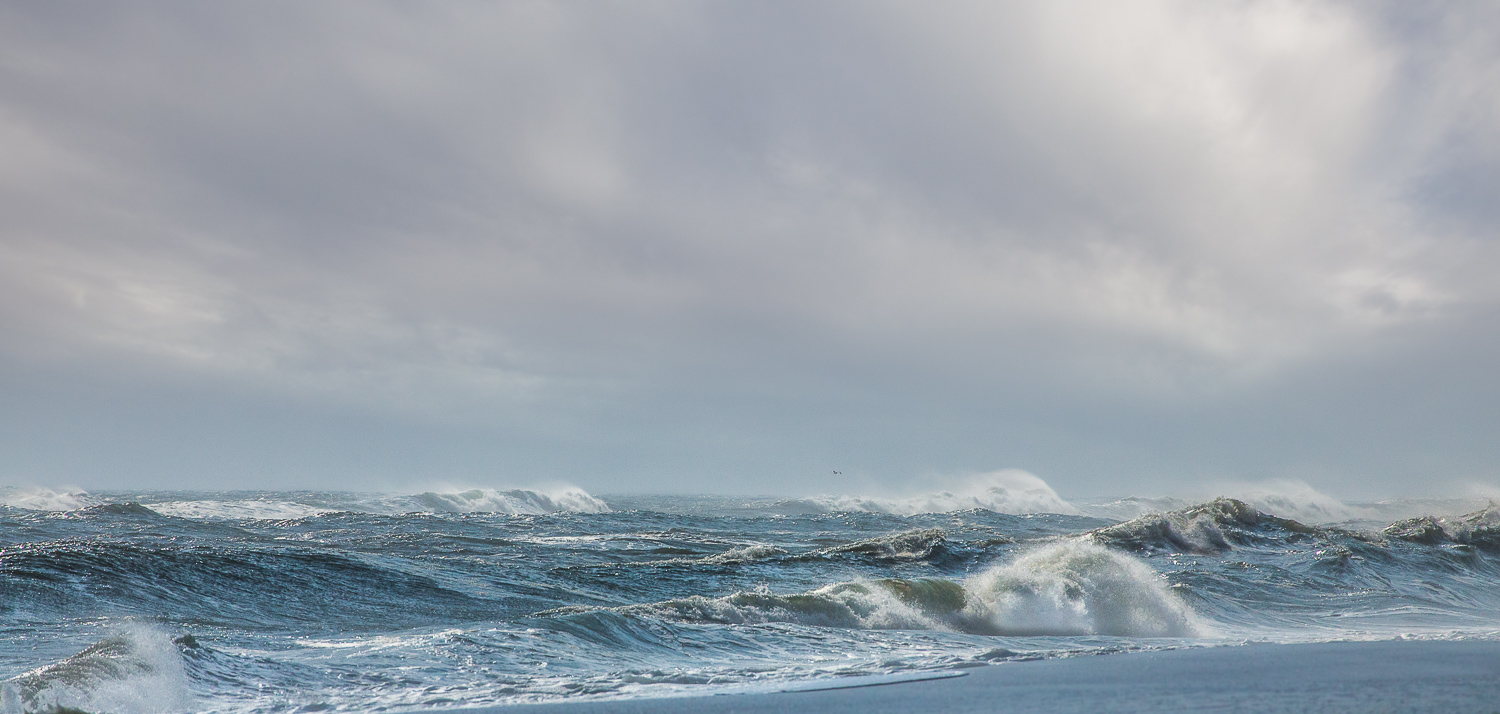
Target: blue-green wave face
{"x": 279, "y": 601}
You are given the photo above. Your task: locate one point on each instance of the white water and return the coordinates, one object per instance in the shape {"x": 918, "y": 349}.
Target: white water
{"x": 139, "y": 670}
{"x": 237, "y": 510}
{"x": 1008, "y": 491}
{"x": 39, "y": 498}
{"x": 1068, "y": 588}
{"x": 518, "y": 501}
{"x": 1078, "y": 588}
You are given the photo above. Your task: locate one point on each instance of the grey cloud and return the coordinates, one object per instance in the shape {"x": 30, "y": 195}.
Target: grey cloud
{"x": 645, "y": 243}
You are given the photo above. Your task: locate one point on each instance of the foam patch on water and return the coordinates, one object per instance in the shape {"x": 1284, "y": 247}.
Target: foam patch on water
{"x": 1009, "y": 491}
{"x": 37, "y": 498}
{"x": 516, "y": 501}
{"x": 138, "y": 670}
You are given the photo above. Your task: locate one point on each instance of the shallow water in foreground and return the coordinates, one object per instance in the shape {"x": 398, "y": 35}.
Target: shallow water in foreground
{"x": 306, "y": 601}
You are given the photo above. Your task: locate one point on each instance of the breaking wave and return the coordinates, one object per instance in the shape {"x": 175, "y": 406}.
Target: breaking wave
{"x": 1299, "y": 501}
{"x": 46, "y": 499}
{"x": 911, "y": 545}
{"x": 237, "y": 510}
{"x": 1294, "y": 500}
{"x": 1066, "y": 588}
{"x": 1212, "y": 527}
{"x": 1079, "y": 588}
{"x": 1124, "y": 509}
{"x": 1480, "y": 528}
{"x": 1009, "y": 491}
{"x": 516, "y": 501}
{"x": 139, "y": 670}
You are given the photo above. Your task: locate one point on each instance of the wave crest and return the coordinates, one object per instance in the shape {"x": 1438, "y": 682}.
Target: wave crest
{"x": 1077, "y": 588}
{"x": 39, "y": 498}
{"x": 1212, "y": 527}
{"x": 255, "y": 510}
{"x": 138, "y": 671}
{"x": 1009, "y": 491}
{"x": 1480, "y": 528}
{"x": 515, "y": 501}
{"x": 911, "y": 545}
{"x": 1300, "y": 501}
{"x": 1064, "y": 589}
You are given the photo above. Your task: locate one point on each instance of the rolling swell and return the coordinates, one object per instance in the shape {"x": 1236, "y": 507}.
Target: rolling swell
{"x": 246, "y": 586}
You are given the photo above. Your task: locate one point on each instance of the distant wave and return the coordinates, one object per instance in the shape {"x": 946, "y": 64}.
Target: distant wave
{"x": 1481, "y": 528}
{"x": 517, "y": 501}
{"x": 1070, "y": 587}
{"x": 1287, "y": 499}
{"x": 37, "y": 498}
{"x": 1124, "y": 509}
{"x": 1212, "y": 527}
{"x": 237, "y": 510}
{"x": 1009, "y": 491}
{"x": 1298, "y": 501}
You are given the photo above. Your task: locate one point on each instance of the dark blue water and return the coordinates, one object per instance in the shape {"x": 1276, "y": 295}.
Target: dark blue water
{"x": 304, "y": 601}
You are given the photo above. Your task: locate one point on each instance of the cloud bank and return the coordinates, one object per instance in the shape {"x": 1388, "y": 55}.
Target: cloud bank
{"x": 657, "y": 245}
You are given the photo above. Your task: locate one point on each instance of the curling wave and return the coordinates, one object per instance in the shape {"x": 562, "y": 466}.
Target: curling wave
{"x": 1212, "y": 527}
{"x": 137, "y": 671}
{"x": 1071, "y": 587}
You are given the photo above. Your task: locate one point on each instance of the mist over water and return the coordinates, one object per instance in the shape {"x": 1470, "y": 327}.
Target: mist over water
{"x": 291, "y": 601}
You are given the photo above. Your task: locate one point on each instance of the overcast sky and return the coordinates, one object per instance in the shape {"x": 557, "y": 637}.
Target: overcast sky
{"x": 737, "y": 246}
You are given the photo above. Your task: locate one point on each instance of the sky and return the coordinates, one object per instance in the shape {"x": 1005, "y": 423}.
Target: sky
{"x": 1131, "y": 247}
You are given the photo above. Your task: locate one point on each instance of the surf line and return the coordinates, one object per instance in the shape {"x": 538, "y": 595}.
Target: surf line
{"x": 870, "y": 680}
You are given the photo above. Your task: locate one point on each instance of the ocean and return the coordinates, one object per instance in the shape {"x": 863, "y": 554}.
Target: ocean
{"x": 302, "y": 601}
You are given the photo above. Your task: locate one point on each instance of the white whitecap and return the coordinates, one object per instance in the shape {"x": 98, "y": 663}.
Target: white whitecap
{"x": 1298, "y": 501}
{"x": 516, "y": 501}
{"x": 237, "y": 510}
{"x": 1075, "y": 587}
{"x": 1007, "y": 491}
{"x": 38, "y": 498}
{"x": 138, "y": 670}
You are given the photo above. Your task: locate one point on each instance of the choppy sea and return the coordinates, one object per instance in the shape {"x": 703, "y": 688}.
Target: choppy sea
{"x": 316, "y": 601}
